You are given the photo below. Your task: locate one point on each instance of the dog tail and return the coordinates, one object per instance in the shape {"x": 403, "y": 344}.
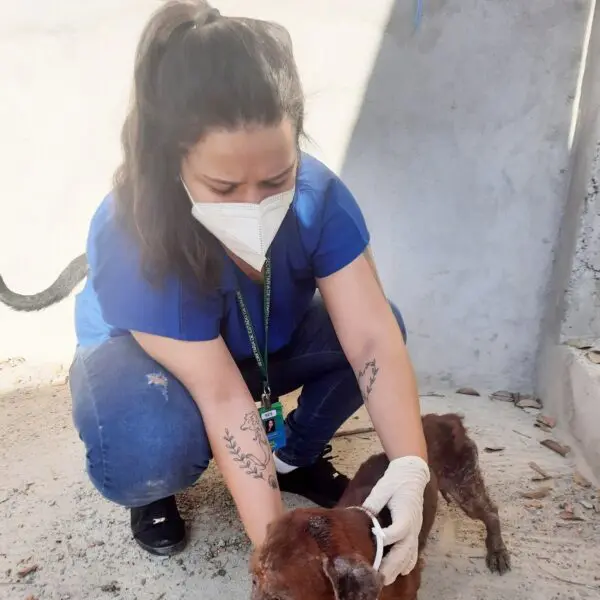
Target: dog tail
{"x": 64, "y": 284}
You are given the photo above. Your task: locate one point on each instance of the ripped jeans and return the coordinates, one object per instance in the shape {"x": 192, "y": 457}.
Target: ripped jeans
{"x": 143, "y": 433}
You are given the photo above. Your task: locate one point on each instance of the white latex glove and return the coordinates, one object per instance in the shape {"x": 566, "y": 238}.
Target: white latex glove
{"x": 401, "y": 489}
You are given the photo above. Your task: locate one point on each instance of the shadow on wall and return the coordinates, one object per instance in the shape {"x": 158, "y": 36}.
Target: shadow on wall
{"x": 459, "y": 160}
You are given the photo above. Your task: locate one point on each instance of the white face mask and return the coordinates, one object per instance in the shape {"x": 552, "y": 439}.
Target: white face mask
{"x": 247, "y": 230}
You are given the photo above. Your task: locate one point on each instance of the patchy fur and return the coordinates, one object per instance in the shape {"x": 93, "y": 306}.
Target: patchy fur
{"x": 326, "y": 554}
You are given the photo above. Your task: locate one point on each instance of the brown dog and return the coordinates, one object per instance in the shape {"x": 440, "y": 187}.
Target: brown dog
{"x": 327, "y": 554}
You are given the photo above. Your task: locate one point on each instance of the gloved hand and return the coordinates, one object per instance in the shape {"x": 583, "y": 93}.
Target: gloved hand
{"x": 401, "y": 489}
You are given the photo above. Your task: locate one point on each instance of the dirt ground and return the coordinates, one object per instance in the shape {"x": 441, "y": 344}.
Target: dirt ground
{"x": 60, "y": 540}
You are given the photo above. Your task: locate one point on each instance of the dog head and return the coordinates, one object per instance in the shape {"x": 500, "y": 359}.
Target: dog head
{"x": 321, "y": 554}
{"x": 448, "y": 442}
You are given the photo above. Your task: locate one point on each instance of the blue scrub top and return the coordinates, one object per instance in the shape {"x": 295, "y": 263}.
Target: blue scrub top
{"x": 323, "y": 231}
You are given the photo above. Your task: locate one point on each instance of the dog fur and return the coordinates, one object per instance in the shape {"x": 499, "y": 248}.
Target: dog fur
{"x": 327, "y": 554}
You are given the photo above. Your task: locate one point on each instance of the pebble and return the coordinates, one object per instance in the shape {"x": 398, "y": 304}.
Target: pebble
{"x": 110, "y": 587}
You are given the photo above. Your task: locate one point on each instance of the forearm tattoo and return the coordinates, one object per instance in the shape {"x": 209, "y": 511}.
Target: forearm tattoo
{"x": 366, "y": 378}
{"x": 255, "y": 466}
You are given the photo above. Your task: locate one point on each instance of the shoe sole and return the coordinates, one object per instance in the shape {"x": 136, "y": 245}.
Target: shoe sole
{"x": 163, "y": 550}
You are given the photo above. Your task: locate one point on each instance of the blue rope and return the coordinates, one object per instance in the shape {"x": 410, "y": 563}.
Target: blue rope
{"x": 418, "y": 13}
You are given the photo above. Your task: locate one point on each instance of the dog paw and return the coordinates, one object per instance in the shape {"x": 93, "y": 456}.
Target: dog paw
{"x": 498, "y": 561}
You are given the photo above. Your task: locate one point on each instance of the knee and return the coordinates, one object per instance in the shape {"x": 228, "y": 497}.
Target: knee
{"x": 143, "y": 434}
{"x": 399, "y": 320}
{"x": 139, "y": 467}
{"x": 133, "y": 485}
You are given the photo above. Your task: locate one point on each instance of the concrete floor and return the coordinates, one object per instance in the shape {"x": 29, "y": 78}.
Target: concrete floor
{"x": 81, "y": 545}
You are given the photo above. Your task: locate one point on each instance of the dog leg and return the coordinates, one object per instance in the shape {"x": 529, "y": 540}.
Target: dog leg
{"x": 407, "y": 587}
{"x": 470, "y": 493}
{"x": 446, "y": 496}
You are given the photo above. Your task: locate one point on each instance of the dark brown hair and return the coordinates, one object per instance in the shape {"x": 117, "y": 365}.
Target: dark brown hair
{"x": 195, "y": 71}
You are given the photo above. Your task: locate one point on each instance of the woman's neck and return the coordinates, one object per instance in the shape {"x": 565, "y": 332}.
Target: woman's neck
{"x": 251, "y": 272}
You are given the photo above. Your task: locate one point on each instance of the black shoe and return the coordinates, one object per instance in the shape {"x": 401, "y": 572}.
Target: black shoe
{"x": 320, "y": 482}
{"x": 158, "y": 528}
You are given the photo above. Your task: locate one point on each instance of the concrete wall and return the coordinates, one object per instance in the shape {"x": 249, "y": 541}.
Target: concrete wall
{"x": 454, "y": 138}
{"x": 567, "y": 381}
{"x": 460, "y": 158}
{"x": 582, "y": 301}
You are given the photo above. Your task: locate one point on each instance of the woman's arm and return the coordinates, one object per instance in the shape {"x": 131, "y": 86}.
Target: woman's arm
{"x": 373, "y": 343}
{"x": 237, "y": 439}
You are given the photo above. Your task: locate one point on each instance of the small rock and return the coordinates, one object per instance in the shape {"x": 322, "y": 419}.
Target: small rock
{"x": 580, "y": 343}
{"x": 553, "y": 445}
{"x": 503, "y": 396}
{"x": 543, "y": 476}
{"x": 113, "y": 587}
{"x": 468, "y": 391}
{"x": 587, "y": 505}
{"x": 528, "y": 402}
{"x": 593, "y": 356}
{"x": 579, "y": 479}
{"x": 27, "y": 571}
{"x": 543, "y": 421}
{"x": 534, "y": 504}
{"x": 537, "y": 494}
{"x": 493, "y": 449}
{"x": 572, "y": 513}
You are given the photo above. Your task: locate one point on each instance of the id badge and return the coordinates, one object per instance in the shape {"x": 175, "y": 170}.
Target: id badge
{"x": 272, "y": 421}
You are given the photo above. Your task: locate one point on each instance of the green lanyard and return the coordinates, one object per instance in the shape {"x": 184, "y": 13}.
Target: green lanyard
{"x": 262, "y": 360}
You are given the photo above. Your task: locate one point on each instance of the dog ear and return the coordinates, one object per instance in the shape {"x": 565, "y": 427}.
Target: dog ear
{"x": 352, "y": 578}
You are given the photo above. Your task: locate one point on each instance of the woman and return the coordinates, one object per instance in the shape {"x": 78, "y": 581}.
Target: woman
{"x": 217, "y": 229}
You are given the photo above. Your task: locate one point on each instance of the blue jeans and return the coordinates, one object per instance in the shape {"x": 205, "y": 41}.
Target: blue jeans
{"x": 143, "y": 433}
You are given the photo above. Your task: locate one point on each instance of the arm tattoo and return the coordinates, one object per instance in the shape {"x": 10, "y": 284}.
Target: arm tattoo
{"x": 251, "y": 464}
{"x": 366, "y": 378}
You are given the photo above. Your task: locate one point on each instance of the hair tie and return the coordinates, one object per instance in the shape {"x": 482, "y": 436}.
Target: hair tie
{"x": 212, "y": 16}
